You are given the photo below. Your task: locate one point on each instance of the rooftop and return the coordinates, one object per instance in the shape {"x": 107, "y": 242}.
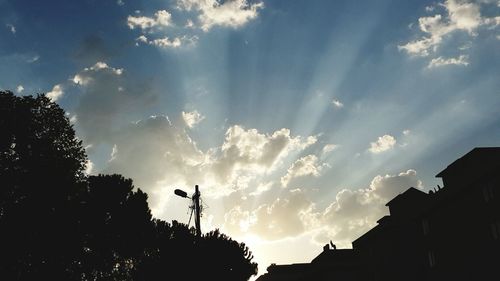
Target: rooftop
{"x": 475, "y": 158}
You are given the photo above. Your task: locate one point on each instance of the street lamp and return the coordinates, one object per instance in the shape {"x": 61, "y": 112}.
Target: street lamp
{"x": 195, "y": 198}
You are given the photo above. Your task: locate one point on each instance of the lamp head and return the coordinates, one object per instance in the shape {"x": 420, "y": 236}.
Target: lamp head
{"x": 181, "y": 193}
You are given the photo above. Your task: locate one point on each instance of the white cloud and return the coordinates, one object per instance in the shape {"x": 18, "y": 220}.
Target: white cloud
{"x": 460, "y": 16}
{"x": 337, "y": 103}
{"x": 329, "y": 148}
{"x": 142, "y": 38}
{"x": 436, "y": 28}
{"x": 238, "y": 220}
{"x": 406, "y": 132}
{"x": 283, "y": 217}
{"x": 492, "y": 22}
{"x": 102, "y": 65}
{"x": 161, "y": 18}
{"x": 208, "y": 13}
{"x": 440, "y": 61}
{"x": 77, "y": 79}
{"x": 56, "y": 93}
{"x": 114, "y": 152}
{"x": 73, "y": 119}
{"x": 231, "y": 13}
{"x": 463, "y": 15}
{"x": 353, "y": 212}
{"x": 189, "y": 40}
{"x": 19, "y": 89}
{"x": 192, "y": 118}
{"x": 160, "y": 145}
{"x": 248, "y": 154}
{"x": 189, "y": 24}
{"x": 350, "y": 214}
{"x": 11, "y": 27}
{"x": 33, "y": 59}
{"x": 156, "y": 152}
{"x": 85, "y": 77}
{"x": 421, "y": 47}
{"x": 382, "y": 144}
{"x": 166, "y": 42}
{"x": 120, "y": 2}
{"x": 265, "y": 149}
{"x": 261, "y": 188}
{"x": 89, "y": 167}
{"x": 305, "y": 166}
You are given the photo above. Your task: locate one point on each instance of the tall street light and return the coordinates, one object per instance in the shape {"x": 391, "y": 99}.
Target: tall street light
{"x": 195, "y": 198}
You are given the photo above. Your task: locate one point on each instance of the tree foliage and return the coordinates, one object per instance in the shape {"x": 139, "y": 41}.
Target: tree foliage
{"x": 41, "y": 172}
{"x": 56, "y": 223}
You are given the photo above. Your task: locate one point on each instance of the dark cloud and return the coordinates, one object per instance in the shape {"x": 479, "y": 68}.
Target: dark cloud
{"x": 91, "y": 49}
{"x": 108, "y": 98}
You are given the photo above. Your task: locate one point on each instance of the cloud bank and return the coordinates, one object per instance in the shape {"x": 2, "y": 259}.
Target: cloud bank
{"x": 202, "y": 15}
{"x": 352, "y": 213}
{"x": 452, "y": 17}
{"x": 233, "y": 13}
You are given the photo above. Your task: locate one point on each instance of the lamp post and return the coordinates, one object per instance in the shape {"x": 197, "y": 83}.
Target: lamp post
{"x": 195, "y": 207}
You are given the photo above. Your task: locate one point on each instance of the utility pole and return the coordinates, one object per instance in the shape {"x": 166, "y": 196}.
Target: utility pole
{"x": 195, "y": 207}
{"x": 197, "y": 210}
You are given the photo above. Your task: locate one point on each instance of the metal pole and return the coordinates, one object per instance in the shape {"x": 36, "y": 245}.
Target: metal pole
{"x": 197, "y": 210}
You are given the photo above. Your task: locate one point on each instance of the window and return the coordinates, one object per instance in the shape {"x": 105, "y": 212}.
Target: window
{"x": 432, "y": 258}
{"x": 425, "y": 226}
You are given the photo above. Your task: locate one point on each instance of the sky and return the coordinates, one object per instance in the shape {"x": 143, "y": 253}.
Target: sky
{"x": 298, "y": 119}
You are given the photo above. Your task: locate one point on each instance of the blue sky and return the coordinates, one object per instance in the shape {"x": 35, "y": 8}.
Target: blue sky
{"x": 298, "y": 119}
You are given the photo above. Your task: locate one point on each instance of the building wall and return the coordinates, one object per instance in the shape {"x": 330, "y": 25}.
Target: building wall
{"x": 463, "y": 230}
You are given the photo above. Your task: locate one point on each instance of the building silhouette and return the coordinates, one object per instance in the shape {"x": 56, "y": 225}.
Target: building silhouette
{"x": 343, "y": 264}
{"x": 449, "y": 233}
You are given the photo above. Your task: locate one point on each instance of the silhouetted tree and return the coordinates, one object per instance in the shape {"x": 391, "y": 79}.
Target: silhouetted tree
{"x": 225, "y": 259}
{"x": 56, "y": 223}
{"x": 178, "y": 252}
{"x": 41, "y": 172}
{"x": 171, "y": 254}
{"x": 116, "y": 228}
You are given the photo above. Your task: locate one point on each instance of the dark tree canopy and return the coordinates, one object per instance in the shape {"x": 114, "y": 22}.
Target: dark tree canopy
{"x": 116, "y": 227}
{"x": 56, "y": 223}
{"x": 233, "y": 263}
{"x": 41, "y": 172}
{"x": 178, "y": 252}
